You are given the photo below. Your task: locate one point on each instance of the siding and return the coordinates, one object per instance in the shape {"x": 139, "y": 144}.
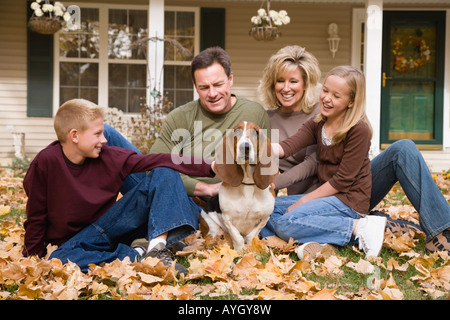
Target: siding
{"x": 13, "y": 86}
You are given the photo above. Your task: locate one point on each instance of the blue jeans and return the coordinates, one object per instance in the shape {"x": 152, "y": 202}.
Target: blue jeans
{"x": 324, "y": 220}
{"x": 403, "y": 162}
{"x": 157, "y": 204}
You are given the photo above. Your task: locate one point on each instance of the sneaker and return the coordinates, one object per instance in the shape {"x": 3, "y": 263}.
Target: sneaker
{"x": 177, "y": 246}
{"x": 141, "y": 243}
{"x": 370, "y": 233}
{"x": 398, "y": 225}
{"x": 402, "y": 226}
{"x": 313, "y": 249}
{"x": 441, "y": 242}
{"x": 166, "y": 256}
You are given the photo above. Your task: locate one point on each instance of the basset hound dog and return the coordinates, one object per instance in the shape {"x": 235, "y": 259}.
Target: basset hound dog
{"x": 247, "y": 167}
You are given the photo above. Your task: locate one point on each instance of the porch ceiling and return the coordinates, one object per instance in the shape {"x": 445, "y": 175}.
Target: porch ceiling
{"x": 410, "y": 2}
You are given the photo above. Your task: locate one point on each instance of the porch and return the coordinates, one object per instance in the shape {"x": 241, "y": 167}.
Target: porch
{"x": 308, "y": 27}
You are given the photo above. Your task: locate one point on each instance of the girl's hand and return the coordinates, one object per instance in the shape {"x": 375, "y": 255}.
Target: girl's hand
{"x": 324, "y": 190}
{"x": 298, "y": 203}
{"x": 278, "y": 150}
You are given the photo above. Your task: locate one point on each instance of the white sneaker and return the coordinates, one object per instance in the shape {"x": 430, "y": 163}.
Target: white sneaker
{"x": 313, "y": 249}
{"x": 370, "y": 233}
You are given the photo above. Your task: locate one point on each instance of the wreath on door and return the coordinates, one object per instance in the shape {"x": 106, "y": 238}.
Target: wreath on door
{"x": 410, "y": 64}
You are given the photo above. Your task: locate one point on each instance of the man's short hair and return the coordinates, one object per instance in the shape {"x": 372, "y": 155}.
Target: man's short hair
{"x": 210, "y": 56}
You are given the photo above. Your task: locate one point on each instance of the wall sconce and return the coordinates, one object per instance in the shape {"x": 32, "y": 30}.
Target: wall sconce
{"x": 333, "y": 38}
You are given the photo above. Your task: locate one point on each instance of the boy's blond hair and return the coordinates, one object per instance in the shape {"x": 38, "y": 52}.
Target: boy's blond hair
{"x": 75, "y": 114}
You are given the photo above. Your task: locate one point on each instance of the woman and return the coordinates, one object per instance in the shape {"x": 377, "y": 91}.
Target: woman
{"x": 402, "y": 161}
{"x": 289, "y": 90}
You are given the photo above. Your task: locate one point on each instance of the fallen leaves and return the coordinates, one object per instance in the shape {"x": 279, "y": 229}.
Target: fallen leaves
{"x": 267, "y": 269}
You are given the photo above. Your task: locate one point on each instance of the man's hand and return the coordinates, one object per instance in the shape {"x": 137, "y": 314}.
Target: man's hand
{"x": 203, "y": 189}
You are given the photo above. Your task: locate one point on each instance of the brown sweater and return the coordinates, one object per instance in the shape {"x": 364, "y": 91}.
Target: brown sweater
{"x": 346, "y": 165}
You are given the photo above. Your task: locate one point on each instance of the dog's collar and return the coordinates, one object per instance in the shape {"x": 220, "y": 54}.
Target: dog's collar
{"x": 248, "y": 184}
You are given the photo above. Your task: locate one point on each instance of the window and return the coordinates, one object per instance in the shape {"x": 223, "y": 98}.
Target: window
{"x": 127, "y": 68}
{"x": 100, "y": 62}
{"x": 79, "y": 58}
{"x": 179, "y": 25}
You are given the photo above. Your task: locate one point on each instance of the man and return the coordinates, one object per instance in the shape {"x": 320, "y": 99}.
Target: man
{"x": 201, "y": 124}
{"x": 197, "y": 127}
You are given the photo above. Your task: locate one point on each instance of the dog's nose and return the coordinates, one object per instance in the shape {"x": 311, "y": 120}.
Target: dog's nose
{"x": 245, "y": 148}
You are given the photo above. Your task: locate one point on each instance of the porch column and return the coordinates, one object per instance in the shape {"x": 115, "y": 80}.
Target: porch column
{"x": 155, "y": 57}
{"x": 372, "y": 66}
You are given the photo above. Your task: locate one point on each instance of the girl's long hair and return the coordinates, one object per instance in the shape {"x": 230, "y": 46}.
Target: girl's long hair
{"x": 357, "y": 84}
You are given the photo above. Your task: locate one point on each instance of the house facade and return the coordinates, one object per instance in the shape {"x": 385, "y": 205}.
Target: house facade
{"x": 124, "y": 52}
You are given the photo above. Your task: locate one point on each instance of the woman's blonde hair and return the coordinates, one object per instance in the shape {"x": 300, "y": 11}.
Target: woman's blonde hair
{"x": 357, "y": 83}
{"x": 290, "y": 58}
{"x": 75, "y": 114}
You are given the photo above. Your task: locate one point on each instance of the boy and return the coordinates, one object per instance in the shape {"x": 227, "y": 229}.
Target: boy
{"x": 72, "y": 187}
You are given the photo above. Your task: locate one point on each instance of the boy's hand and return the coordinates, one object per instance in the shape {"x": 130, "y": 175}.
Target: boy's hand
{"x": 213, "y": 167}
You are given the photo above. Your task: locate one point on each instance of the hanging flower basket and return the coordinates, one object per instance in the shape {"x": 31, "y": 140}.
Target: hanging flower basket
{"x": 44, "y": 25}
{"x": 47, "y": 18}
{"x": 265, "y": 33}
{"x": 265, "y": 24}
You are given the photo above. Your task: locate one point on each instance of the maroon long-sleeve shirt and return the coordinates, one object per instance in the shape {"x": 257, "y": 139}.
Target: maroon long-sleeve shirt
{"x": 63, "y": 198}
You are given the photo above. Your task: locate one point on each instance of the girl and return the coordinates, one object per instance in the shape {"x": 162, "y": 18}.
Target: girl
{"x": 336, "y": 211}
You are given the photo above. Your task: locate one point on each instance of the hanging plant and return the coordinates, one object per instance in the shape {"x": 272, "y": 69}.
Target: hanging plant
{"x": 47, "y": 18}
{"x": 410, "y": 64}
{"x": 265, "y": 24}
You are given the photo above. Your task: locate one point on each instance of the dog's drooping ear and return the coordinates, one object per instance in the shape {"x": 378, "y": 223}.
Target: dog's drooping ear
{"x": 226, "y": 167}
{"x": 266, "y": 169}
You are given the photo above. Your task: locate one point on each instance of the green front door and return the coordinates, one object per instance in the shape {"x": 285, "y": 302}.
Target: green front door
{"x": 413, "y": 77}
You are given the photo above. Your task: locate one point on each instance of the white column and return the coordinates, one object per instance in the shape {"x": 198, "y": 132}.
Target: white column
{"x": 446, "y": 127}
{"x": 155, "y": 48}
{"x": 372, "y": 67}
{"x": 103, "y": 70}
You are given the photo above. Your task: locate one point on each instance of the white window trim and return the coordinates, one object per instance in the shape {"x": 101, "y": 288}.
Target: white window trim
{"x": 358, "y": 17}
{"x": 196, "y": 10}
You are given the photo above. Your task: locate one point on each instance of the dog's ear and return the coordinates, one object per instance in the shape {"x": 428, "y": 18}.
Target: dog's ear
{"x": 226, "y": 167}
{"x": 266, "y": 169}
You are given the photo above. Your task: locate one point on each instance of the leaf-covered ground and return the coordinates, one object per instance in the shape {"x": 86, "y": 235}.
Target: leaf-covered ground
{"x": 265, "y": 270}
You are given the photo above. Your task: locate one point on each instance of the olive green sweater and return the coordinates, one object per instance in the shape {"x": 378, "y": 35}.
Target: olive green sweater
{"x": 191, "y": 130}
